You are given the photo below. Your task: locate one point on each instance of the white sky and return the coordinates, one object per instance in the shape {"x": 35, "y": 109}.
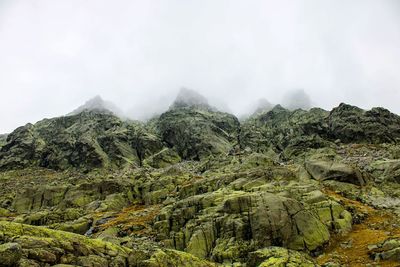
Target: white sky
{"x": 54, "y": 55}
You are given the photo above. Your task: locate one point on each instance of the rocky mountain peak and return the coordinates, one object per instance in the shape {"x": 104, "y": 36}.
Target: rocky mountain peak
{"x": 190, "y": 98}
{"x": 99, "y": 105}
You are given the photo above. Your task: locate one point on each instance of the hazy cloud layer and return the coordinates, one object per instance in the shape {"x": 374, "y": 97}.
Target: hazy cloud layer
{"x": 54, "y": 55}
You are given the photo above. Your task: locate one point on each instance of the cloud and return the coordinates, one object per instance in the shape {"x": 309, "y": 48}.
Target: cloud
{"x": 55, "y": 55}
{"x": 295, "y": 99}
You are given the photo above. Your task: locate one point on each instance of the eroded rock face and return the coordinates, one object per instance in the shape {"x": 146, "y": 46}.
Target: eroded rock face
{"x": 227, "y": 225}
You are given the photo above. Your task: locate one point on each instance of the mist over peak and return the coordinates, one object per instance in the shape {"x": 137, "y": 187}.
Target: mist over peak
{"x": 98, "y": 104}
{"x": 189, "y": 98}
{"x": 296, "y": 99}
{"x": 263, "y": 105}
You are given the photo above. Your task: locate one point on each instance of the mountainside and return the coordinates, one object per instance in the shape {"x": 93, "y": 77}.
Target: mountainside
{"x": 197, "y": 133}
{"x": 196, "y": 187}
{"x": 90, "y": 139}
{"x": 288, "y": 131}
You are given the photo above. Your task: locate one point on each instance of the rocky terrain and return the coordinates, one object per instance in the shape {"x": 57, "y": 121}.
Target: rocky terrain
{"x": 197, "y": 187}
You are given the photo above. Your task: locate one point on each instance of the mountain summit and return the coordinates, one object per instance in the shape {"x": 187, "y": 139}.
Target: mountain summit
{"x": 98, "y": 104}
{"x": 190, "y": 98}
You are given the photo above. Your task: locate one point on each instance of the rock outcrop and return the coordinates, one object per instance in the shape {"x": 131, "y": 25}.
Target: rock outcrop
{"x": 351, "y": 124}
{"x": 282, "y": 129}
{"x": 25, "y": 245}
{"x": 389, "y": 249}
{"x": 196, "y": 131}
{"x": 225, "y": 226}
{"x": 330, "y": 170}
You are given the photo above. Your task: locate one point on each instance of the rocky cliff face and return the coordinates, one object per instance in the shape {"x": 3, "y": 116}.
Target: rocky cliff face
{"x": 196, "y": 187}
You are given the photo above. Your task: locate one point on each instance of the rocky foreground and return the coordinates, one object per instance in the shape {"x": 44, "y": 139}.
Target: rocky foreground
{"x": 196, "y": 187}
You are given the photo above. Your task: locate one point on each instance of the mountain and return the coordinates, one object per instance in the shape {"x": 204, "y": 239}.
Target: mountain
{"x": 195, "y": 129}
{"x": 290, "y": 131}
{"x": 296, "y": 99}
{"x": 196, "y": 187}
{"x": 97, "y": 104}
{"x": 87, "y": 140}
{"x": 263, "y": 105}
{"x": 190, "y": 98}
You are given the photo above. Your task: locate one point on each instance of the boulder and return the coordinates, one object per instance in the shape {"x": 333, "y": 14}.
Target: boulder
{"x": 386, "y": 170}
{"x": 386, "y": 250}
{"x": 331, "y": 170}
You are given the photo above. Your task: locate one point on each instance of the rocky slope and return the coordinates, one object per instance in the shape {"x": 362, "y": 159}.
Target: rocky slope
{"x": 90, "y": 139}
{"x": 196, "y": 187}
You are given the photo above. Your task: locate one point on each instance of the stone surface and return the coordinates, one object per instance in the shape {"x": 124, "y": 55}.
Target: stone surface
{"x": 224, "y": 224}
{"x": 331, "y": 170}
{"x": 10, "y": 254}
{"x": 386, "y": 250}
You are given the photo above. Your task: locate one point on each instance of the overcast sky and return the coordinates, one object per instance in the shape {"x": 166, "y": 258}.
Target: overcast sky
{"x": 54, "y": 55}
